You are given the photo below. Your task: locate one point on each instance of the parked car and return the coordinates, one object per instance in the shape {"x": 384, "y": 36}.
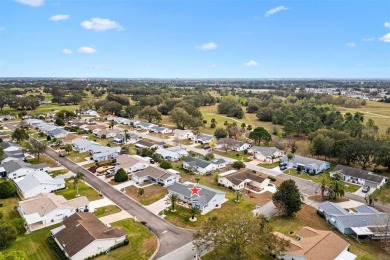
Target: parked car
{"x": 282, "y": 164}
{"x": 62, "y": 155}
{"x": 366, "y": 189}
{"x": 282, "y": 168}
{"x": 206, "y": 147}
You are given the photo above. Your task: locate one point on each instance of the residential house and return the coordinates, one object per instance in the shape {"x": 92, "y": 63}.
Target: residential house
{"x": 144, "y": 144}
{"x": 202, "y": 166}
{"x": 311, "y": 243}
{"x": 266, "y": 154}
{"x": 360, "y": 221}
{"x": 131, "y": 163}
{"x": 69, "y": 138}
{"x": 172, "y": 154}
{"x": 105, "y": 133}
{"x": 182, "y": 134}
{"x": 308, "y": 165}
{"x": 120, "y": 139}
{"x": 83, "y": 235}
{"x": 156, "y": 175}
{"x": 130, "y": 122}
{"x": 203, "y": 138}
{"x": 106, "y": 153}
{"x": 90, "y": 112}
{"x": 19, "y": 169}
{"x": 47, "y": 209}
{"x": 232, "y": 144}
{"x": 38, "y": 182}
{"x": 238, "y": 180}
{"x": 207, "y": 200}
{"x": 82, "y": 145}
{"x": 8, "y": 146}
{"x": 144, "y": 126}
{"x": 358, "y": 176}
{"x": 160, "y": 130}
{"x": 17, "y": 155}
{"x": 58, "y": 133}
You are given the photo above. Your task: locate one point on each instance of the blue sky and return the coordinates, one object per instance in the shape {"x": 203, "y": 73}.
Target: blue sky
{"x": 195, "y": 39}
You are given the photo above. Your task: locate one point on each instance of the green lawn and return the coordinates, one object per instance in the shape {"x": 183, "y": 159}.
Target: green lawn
{"x": 33, "y": 245}
{"x": 84, "y": 190}
{"x": 181, "y": 216}
{"x": 143, "y": 243}
{"x": 233, "y": 154}
{"x": 308, "y": 217}
{"x": 43, "y": 109}
{"x": 59, "y": 172}
{"x": 107, "y": 210}
{"x": 318, "y": 178}
{"x": 44, "y": 159}
{"x": 9, "y": 208}
{"x": 269, "y": 165}
{"x": 78, "y": 157}
{"x": 383, "y": 194}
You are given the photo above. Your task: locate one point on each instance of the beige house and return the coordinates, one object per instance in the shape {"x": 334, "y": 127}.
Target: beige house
{"x": 316, "y": 244}
{"x": 238, "y": 180}
{"x": 131, "y": 163}
{"x": 47, "y": 209}
{"x": 182, "y": 134}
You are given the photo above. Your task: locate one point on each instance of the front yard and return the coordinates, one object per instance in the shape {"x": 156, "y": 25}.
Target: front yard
{"x": 269, "y": 165}
{"x": 151, "y": 194}
{"x": 143, "y": 243}
{"x": 349, "y": 187}
{"x": 239, "y": 156}
{"x": 77, "y": 157}
{"x": 383, "y": 194}
{"x": 308, "y": 217}
{"x": 43, "y": 158}
{"x": 107, "y": 210}
{"x": 84, "y": 190}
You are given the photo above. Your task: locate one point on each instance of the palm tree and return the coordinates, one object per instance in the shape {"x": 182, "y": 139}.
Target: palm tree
{"x": 273, "y": 157}
{"x": 194, "y": 210}
{"x": 370, "y": 199}
{"x": 238, "y": 195}
{"x": 112, "y": 123}
{"x": 125, "y": 136}
{"x": 68, "y": 148}
{"x": 337, "y": 189}
{"x": 79, "y": 176}
{"x": 323, "y": 187}
{"x": 197, "y": 179}
{"x": 140, "y": 192}
{"x": 173, "y": 199}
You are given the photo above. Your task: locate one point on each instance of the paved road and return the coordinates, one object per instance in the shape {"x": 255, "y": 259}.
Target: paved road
{"x": 170, "y": 236}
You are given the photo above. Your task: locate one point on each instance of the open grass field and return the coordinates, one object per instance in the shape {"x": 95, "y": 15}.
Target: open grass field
{"x": 9, "y": 208}
{"x": 143, "y": 243}
{"x": 308, "y": 217}
{"x": 377, "y": 111}
{"x": 107, "y": 210}
{"x": 383, "y": 194}
{"x": 84, "y": 190}
{"x": 43, "y": 109}
{"x": 151, "y": 194}
{"x": 43, "y": 158}
{"x": 34, "y": 245}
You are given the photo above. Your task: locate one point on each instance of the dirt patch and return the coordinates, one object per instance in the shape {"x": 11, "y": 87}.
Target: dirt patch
{"x": 94, "y": 167}
{"x": 259, "y": 199}
{"x": 319, "y": 198}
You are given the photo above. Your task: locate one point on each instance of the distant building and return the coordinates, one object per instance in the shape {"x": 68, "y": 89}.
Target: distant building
{"x": 359, "y": 176}
{"x": 307, "y": 164}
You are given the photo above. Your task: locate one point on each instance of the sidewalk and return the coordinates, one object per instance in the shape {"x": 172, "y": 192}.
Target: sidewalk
{"x": 115, "y": 217}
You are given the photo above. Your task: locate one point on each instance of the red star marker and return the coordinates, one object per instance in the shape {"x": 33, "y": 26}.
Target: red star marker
{"x": 195, "y": 191}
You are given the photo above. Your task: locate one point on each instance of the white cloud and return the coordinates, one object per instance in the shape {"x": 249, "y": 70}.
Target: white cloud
{"x": 351, "y": 44}
{"x": 33, "y": 3}
{"x": 67, "y": 51}
{"x": 251, "y": 63}
{"x": 385, "y": 38}
{"x": 59, "y": 17}
{"x": 369, "y": 39}
{"x": 207, "y": 46}
{"x": 387, "y": 24}
{"x": 275, "y": 10}
{"x": 2, "y": 28}
{"x": 100, "y": 24}
{"x": 86, "y": 50}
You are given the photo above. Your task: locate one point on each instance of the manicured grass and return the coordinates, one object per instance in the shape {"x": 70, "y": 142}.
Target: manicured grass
{"x": 143, "y": 243}
{"x": 269, "y": 165}
{"x": 349, "y": 187}
{"x": 383, "y": 194}
{"x": 151, "y": 194}
{"x": 233, "y": 154}
{"x": 107, "y": 210}
{"x": 84, "y": 190}
{"x": 9, "y": 208}
{"x": 43, "y": 109}
{"x": 43, "y": 158}
{"x": 34, "y": 245}
{"x": 78, "y": 157}
{"x": 182, "y": 215}
{"x": 308, "y": 217}
{"x": 59, "y": 172}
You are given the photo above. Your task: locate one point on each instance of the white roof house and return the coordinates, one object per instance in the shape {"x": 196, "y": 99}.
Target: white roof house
{"x": 106, "y": 153}
{"x": 131, "y": 163}
{"x": 82, "y": 145}
{"x": 265, "y": 153}
{"x": 308, "y": 164}
{"x": 155, "y": 174}
{"x": 171, "y": 154}
{"x": 182, "y": 134}
{"x": 15, "y": 169}
{"x": 47, "y": 209}
{"x": 38, "y": 182}
{"x": 161, "y": 130}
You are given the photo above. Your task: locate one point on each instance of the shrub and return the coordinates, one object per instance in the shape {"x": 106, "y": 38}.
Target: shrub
{"x": 166, "y": 165}
{"x": 60, "y": 122}
{"x": 121, "y": 176}
{"x": 238, "y": 165}
{"x": 273, "y": 179}
{"x": 48, "y": 138}
{"x": 18, "y": 223}
{"x": 1, "y": 214}
{"x": 7, "y": 190}
{"x": 60, "y": 254}
{"x": 8, "y": 234}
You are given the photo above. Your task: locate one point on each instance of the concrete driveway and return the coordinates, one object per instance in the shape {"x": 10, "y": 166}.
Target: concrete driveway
{"x": 99, "y": 203}
{"x": 362, "y": 194}
{"x": 157, "y": 206}
{"x": 268, "y": 210}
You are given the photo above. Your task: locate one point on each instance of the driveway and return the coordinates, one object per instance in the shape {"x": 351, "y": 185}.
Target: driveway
{"x": 115, "y": 217}
{"x": 157, "y": 206}
{"x": 123, "y": 185}
{"x": 99, "y": 203}
{"x": 268, "y": 210}
{"x": 363, "y": 194}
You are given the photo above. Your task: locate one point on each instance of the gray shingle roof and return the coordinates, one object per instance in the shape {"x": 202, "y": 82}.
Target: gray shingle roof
{"x": 332, "y": 208}
{"x": 305, "y": 160}
{"x": 197, "y": 162}
{"x": 363, "y": 220}
{"x": 264, "y": 150}
{"x": 358, "y": 173}
{"x": 366, "y": 209}
{"x": 5, "y": 145}
{"x": 206, "y": 194}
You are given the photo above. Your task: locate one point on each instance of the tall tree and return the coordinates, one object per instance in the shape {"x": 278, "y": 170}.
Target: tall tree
{"x": 151, "y": 114}
{"x": 260, "y": 134}
{"x": 172, "y": 199}
{"x": 237, "y": 236}
{"x": 287, "y": 198}
{"x": 36, "y": 148}
{"x": 76, "y": 179}
{"x": 180, "y": 117}
{"x": 20, "y": 134}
